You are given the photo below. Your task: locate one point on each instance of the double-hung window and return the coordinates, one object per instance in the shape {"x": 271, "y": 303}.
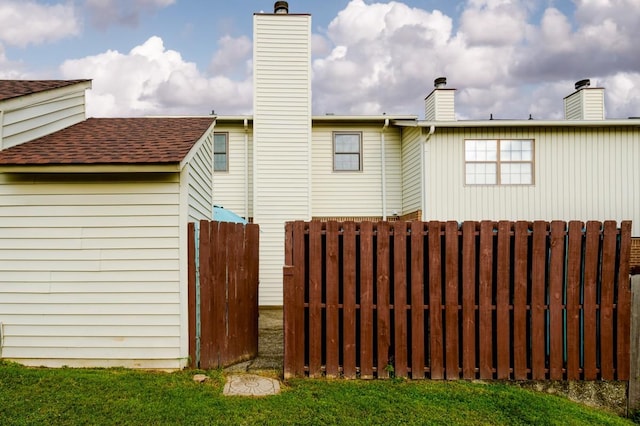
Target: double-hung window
{"x": 220, "y": 152}
{"x": 347, "y": 151}
{"x": 499, "y": 161}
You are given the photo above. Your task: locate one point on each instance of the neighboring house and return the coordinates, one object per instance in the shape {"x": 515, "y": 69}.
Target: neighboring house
{"x": 283, "y": 163}
{"x": 93, "y": 229}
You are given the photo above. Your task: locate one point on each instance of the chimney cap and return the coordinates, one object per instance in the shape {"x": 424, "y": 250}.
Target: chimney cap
{"x": 582, "y": 83}
{"x": 281, "y": 7}
{"x": 440, "y": 82}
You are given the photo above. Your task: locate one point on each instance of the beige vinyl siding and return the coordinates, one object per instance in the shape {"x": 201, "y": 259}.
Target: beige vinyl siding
{"x": 282, "y": 137}
{"x": 440, "y": 105}
{"x": 580, "y": 174}
{"x": 200, "y": 183}
{"x": 412, "y": 170}
{"x": 31, "y": 121}
{"x": 585, "y": 104}
{"x": 229, "y": 188}
{"x": 356, "y": 193}
{"x": 90, "y": 270}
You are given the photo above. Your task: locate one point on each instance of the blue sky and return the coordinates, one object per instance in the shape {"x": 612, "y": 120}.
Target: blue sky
{"x": 509, "y": 58}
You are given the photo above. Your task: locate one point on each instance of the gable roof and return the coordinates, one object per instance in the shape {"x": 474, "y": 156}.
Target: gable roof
{"x": 113, "y": 141}
{"x": 15, "y": 88}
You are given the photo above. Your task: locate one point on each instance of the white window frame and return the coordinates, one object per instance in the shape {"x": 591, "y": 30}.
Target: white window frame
{"x": 226, "y": 152}
{"x": 498, "y": 162}
{"x": 336, "y": 154}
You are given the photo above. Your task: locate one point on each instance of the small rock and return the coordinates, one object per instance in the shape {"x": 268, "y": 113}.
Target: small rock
{"x": 200, "y": 378}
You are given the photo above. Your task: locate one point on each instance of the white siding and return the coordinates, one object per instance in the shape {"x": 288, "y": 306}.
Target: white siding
{"x": 200, "y": 183}
{"x": 440, "y": 105}
{"x": 412, "y": 170}
{"x": 282, "y": 137}
{"x": 580, "y": 174}
{"x": 230, "y": 188}
{"x": 90, "y": 271}
{"x": 45, "y": 116}
{"x": 358, "y": 193}
{"x": 585, "y": 104}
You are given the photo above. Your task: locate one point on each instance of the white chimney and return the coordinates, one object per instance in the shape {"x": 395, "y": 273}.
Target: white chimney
{"x": 440, "y": 103}
{"x": 586, "y": 103}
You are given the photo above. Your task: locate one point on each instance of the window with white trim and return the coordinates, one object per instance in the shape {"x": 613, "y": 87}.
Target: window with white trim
{"x": 220, "y": 152}
{"x": 498, "y": 161}
{"x": 347, "y": 151}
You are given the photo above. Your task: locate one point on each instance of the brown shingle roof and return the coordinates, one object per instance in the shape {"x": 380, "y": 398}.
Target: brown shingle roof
{"x": 15, "y": 88}
{"x": 113, "y": 141}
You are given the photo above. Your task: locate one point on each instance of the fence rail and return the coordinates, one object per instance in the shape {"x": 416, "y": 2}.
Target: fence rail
{"x": 442, "y": 300}
{"x": 223, "y": 293}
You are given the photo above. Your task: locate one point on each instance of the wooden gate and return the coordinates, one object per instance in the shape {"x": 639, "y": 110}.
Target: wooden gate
{"x": 223, "y": 293}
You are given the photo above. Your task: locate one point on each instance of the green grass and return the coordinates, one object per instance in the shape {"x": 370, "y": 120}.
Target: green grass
{"x": 38, "y": 396}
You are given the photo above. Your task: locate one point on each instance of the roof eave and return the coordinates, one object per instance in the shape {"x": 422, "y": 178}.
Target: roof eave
{"x": 91, "y": 168}
{"x": 520, "y": 123}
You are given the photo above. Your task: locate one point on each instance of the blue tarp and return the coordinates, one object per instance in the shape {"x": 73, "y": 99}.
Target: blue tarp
{"x": 221, "y": 214}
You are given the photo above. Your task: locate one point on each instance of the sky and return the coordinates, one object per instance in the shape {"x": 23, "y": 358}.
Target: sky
{"x": 506, "y": 58}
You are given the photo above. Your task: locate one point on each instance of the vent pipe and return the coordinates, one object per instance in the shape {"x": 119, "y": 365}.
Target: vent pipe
{"x": 583, "y": 83}
{"x": 281, "y": 8}
{"x": 440, "y": 82}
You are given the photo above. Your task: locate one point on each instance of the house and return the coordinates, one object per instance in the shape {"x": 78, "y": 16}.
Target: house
{"x": 283, "y": 163}
{"x": 94, "y": 212}
{"x": 93, "y": 229}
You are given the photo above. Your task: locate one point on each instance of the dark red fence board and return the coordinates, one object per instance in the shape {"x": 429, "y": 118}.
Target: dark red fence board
{"x": 228, "y": 293}
{"x": 485, "y": 302}
{"x": 349, "y": 300}
{"x": 436, "y": 339}
{"x": 401, "y": 365}
{"x": 520, "y": 306}
{"x": 623, "y": 308}
{"x": 315, "y": 298}
{"x": 383, "y": 301}
{"x": 469, "y": 322}
{"x": 574, "y": 265}
{"x": 505, "y": 300}
{"x": 452, "y": 344}
{"x": 417, "y": 301}
{"x": 556, "y": 293}
{"x": 366, "y": 300}
{"x": 591, "y": 264}
{"x": 538, "y": 303}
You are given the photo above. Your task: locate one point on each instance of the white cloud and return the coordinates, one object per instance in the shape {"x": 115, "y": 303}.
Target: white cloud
{"x": 46, "y": 23}
{"x": 232, "y": 56}
{"x": 153, "y": 80}
{"x": 104, "y": 13}
{"x": 383, "y": 57}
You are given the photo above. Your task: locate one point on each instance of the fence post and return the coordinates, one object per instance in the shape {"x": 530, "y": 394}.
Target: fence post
{"x": 634, "y": 371}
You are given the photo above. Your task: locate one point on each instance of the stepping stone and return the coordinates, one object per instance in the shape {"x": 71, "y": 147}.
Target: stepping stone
{"x": 251, "y": 385}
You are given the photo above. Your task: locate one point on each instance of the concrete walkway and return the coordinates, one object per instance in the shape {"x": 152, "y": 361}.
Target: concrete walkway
{"x": 270, "y": 358}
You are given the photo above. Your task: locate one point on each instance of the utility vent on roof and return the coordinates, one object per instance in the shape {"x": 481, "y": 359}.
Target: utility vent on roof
{"x": 281, "y": 8}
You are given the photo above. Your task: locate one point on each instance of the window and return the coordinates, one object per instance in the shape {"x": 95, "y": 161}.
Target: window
{"x": 220, "y": 152}
{"x": 347, "y": 151}
{"x": 498, "y": 161}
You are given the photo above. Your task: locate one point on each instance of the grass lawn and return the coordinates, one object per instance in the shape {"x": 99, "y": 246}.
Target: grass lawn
{"x": 34, "y": 396}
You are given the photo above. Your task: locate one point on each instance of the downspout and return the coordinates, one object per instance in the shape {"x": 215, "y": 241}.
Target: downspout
{"x": 423, "y": 180}
{"x": 384, "y": 170}
{"x": 246, "y": 169}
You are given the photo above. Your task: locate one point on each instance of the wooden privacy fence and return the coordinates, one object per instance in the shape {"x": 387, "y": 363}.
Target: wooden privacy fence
{"x": 487, "y": 300}
{"x": 223, "y": 293}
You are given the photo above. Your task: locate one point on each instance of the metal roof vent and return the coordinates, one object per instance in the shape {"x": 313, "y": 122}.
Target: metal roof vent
{"x": 281, "y": 7}
{"x": 440, "y": 82}
{"x": 583, "y": 83}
